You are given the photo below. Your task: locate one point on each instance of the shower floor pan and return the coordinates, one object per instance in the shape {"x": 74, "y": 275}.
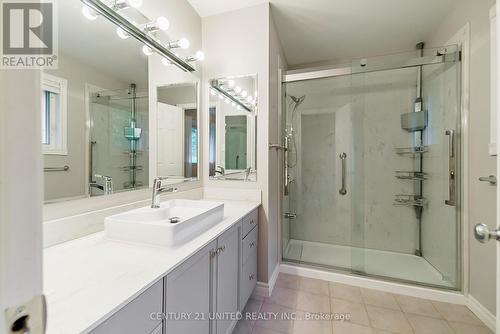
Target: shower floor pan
{"x": 375, "y": 262}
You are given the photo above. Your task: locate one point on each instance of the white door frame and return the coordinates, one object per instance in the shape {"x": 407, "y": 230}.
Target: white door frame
{"x": 21, "y": 197}
{"x": 498, "y": 166}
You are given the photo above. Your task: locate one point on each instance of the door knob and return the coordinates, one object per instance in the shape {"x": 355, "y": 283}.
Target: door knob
{"x": 482, "y": 233}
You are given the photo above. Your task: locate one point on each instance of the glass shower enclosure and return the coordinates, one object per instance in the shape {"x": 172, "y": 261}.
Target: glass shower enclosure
{"x": 118, "y": 141}
{"x": 372, "y": 168}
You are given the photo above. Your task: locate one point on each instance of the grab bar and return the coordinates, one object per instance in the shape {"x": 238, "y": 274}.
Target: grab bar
{"x": 277, "y": 146}
{"x": 64, "y": 168}
{"x": 91, "y": 161}
{"x": 343, "y": 157}
{"x": 451, "y": 168}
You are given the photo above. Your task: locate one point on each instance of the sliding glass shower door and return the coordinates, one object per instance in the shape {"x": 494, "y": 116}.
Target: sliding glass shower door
{"x": 373, "y": 169}
{"x": 317, "y": 217}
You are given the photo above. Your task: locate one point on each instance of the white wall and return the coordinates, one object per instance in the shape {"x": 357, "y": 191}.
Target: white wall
{"x": 21, "y": 192}
{"x": 235, "y": 44}
{"x": 482, "y": 196}
{"x": 277, "y": 67}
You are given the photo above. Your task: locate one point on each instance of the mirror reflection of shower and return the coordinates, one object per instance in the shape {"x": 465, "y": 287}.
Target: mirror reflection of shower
{"x": 118, "y": 140}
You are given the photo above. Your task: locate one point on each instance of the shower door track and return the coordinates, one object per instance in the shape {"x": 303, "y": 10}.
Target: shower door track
{"x": 444, "y": 57}
{"x": 360, "y": 274}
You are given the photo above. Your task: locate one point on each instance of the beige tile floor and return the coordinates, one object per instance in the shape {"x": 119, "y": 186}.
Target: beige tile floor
{"x": 371, "y": 311}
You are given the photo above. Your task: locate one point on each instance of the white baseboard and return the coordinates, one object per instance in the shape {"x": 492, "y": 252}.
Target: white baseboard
{"x": 488, "y": 318}
{"x": 266, "y": 289}
{"x": 370, "y": 283}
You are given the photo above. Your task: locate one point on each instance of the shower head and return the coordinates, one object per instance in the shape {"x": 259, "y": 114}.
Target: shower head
{"x": 297, "y": 100}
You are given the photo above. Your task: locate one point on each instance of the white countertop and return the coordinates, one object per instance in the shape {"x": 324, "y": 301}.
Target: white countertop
{"x": 88, "y": 279}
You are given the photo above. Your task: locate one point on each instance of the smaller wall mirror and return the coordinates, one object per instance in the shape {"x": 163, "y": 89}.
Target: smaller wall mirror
{"x": 233, "y": 128}
{"x": 177, "y": 132}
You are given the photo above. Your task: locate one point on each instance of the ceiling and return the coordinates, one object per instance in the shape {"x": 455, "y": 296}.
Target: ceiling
{"x": 314, "y": 31}
{"x": 213, "y": 7}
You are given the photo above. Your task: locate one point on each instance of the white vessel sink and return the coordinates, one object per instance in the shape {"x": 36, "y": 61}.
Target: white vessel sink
{"x": 175, "y": 222}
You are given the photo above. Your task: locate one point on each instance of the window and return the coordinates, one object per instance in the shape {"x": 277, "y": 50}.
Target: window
{"x": 54, "y": 105}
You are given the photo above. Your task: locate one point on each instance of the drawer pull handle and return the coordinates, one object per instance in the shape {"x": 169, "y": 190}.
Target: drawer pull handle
{"x": 221, "y": 249}
{"x": 252, "y": 222}
{"x": 252, "y": 244}
{"x": 251, "y": 277}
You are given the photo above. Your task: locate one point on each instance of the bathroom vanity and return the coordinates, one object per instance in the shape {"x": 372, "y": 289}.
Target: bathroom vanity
{"x": 99, "y": 285}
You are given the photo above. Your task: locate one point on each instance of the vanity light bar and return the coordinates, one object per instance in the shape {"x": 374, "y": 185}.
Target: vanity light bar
{"x": 215, "y": 86}
{"x": 101, "y": 8}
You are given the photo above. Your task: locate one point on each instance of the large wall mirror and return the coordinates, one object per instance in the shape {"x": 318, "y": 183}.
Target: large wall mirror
{"x": 233, "y": 128}
{"x": 95, "y": 111}
{"x": 177, "y": 132}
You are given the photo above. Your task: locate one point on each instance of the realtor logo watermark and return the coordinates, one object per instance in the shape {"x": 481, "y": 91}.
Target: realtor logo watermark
{"x": 29, "y": 34}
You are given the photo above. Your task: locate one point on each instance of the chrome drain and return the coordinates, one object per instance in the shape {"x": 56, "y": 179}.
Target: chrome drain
{"x": 174, "y": 220}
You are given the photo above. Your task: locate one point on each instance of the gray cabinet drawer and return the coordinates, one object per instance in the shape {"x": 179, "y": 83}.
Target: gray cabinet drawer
{"x": 248, "y": 279}
{"x": 249, "y": 245}
{"x": 249, "y": 222}
{"x": 135, "y": 317}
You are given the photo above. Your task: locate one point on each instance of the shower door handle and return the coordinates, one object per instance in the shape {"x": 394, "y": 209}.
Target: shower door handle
{"x": 91, "y": 161}
{"x": 451, "y": 168}
{"x": 343, "y": 157}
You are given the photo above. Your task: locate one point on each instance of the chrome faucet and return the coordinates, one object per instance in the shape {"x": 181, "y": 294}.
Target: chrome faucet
{"x": 158, "y": 189}
{"x": 220, "y": 170}
{"x": 105, "y": 184}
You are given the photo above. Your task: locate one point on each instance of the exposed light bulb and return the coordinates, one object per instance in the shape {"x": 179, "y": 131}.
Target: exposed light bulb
{"x": 230, "y": 83}
{"x": 165, "y": 62}
{"x": 122, "y": 33}
{"x": 147, "y": 50}
{"x": 237, "y": 90}
{"x": 200, "y": 56}
{"x": 135, "y": 3}
{"x": 212, "y": 92}
{"x": 184, "y": 43}
{"x": 89, "y": 13}
{"x": 244, "y": 93}
{"x": 162, "y": 23}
